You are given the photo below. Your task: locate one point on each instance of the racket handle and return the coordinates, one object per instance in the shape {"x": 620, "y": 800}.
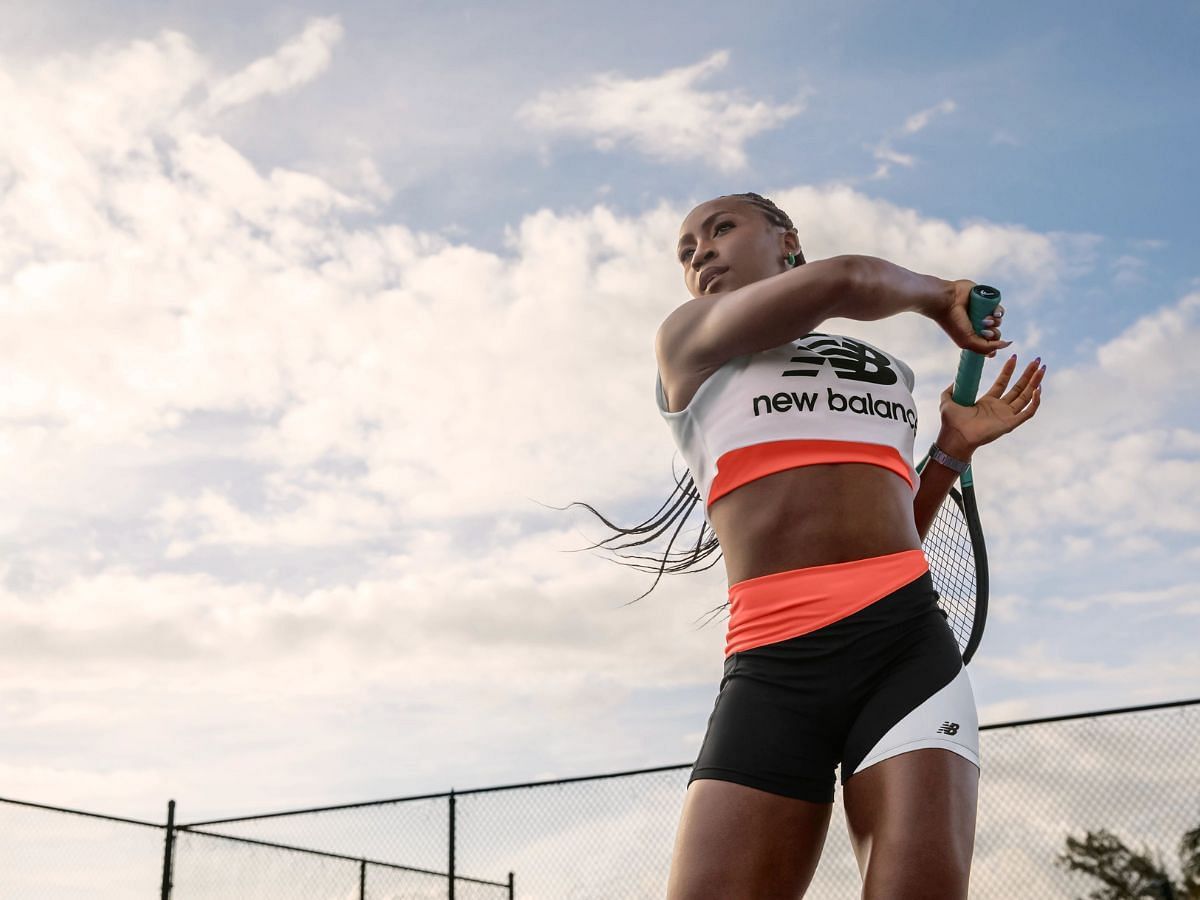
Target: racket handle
{"x": 983, "y": 300}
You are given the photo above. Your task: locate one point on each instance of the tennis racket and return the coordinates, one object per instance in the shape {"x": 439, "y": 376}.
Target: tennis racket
{"x": 954, "y": 545}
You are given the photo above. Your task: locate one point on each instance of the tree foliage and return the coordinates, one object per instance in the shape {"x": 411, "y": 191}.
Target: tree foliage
{"x": 1126, "y": 874}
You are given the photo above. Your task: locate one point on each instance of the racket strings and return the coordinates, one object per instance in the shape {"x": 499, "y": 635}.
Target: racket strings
{"x": 951, "y": 558}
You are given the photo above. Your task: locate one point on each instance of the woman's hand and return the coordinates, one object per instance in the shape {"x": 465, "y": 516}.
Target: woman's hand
{"x": 966, "y": 427}
{"x": 956, "y": 322}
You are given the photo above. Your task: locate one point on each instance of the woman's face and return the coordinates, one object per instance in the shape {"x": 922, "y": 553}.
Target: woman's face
{"x": 727, "y": 243}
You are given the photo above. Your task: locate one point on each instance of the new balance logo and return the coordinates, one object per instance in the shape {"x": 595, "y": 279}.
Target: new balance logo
{"x": 807, "y": 401}
{"x": 948, "y": 728}
{"x": 849, "y": 359}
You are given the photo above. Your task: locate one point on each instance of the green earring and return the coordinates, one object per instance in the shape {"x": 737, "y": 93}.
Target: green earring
{"x": 791, "y": 259}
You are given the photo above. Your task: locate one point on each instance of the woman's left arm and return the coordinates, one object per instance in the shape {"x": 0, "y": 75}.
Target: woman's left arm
{"x": 966, "y": 428}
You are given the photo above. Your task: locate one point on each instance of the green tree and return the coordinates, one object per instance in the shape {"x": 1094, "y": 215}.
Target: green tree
{"x": 1189, "y": 863}
{"x": 1129, "y": 875}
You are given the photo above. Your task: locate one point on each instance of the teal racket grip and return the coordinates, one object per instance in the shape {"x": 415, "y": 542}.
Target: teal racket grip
{"x": 984, "y": 298}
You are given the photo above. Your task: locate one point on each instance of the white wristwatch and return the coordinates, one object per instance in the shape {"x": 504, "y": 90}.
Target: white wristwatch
{"x": 957, "y": 465}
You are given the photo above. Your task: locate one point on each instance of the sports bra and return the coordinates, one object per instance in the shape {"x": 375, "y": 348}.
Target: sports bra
{"x": 823, "y": 398}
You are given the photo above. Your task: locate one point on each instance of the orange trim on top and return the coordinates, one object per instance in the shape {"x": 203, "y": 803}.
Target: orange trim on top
{"x": 782, "y": 605}
{"x": 737, "y": 467}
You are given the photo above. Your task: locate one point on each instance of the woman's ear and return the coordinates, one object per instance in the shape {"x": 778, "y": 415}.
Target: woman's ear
{"x": 791, "y": 244}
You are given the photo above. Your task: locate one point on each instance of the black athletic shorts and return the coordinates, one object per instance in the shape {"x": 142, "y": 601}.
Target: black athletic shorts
{"x": 882, "y": 681}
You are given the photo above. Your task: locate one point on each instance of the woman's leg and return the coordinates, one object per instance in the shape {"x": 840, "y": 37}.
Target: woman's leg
{"x": 739, "y": 843}
{"x": 911, "y": 819}
{"x": 912, "y": 769}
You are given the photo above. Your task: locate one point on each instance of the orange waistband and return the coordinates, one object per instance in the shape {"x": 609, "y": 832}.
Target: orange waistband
{"x": 737, "y": 467}
{"x": 784, "y": 605}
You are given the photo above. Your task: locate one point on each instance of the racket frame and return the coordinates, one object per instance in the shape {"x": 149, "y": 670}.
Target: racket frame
{"x": 983, "y": 300}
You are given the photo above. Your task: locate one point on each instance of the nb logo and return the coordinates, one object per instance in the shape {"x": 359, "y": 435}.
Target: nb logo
{"x": 850, "y": 360}
{"x": 948, "y": 728}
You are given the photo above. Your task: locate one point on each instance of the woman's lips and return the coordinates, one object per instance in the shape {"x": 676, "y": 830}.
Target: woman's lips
{"x": 709, "y": 275}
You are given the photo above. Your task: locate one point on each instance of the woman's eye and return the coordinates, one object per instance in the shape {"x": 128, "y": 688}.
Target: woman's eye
{"x": 683, "y": 257}
{"x": 721, "y": 225}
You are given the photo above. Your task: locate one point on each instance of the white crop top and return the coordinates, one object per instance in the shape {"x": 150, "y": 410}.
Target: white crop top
{"x": 823, "y": 398}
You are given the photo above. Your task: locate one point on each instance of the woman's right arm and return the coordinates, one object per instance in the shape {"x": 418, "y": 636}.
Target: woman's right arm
{"x": 710, "y": 330}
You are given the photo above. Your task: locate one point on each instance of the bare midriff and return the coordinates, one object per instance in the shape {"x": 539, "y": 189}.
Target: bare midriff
{"x": 813, "y": 515}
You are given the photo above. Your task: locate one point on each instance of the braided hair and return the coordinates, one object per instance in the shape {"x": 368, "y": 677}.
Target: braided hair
{"x": 774, "y": 214}
{"x": 685, "y": 496}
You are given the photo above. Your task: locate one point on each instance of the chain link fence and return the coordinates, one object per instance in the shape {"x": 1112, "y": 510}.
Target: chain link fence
{"x": 1131, "y": 774}
{"x": 48, "y": 853}
{"x": 208, "y": 866}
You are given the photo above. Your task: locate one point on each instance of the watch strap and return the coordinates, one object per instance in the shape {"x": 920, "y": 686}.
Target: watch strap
{"x": 956, "y": 465}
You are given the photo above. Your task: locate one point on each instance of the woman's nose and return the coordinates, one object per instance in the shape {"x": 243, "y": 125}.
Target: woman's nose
{"x": 701, "y": 256}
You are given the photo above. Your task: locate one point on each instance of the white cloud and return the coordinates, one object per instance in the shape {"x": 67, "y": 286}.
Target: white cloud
{"x": 1005, "y": 137}
{"x": 917, "y": 121}
{"x": 293, "y": 64}
{"x": 887, "y": 155}
{"x": 667, "y": 117}
{"x": 1112, "y": 466}
{"x": 1128, "y": 270}
{"x": 837, "y": 219}
{"x": 1169, "y": 596}
{"x": 1058, "y": 680}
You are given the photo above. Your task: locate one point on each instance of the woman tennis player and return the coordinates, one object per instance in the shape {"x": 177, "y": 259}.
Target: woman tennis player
{"x": 800, "y": 447}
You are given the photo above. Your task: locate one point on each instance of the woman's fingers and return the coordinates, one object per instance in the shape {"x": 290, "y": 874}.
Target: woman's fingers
{"x": 1035, "y": 385}
{"x": 1023, "y": 399}
{"x": 993, "y": 334}
{"x": 1023, "y": 390}
{"x": 986, "y": 342}
{"x": 991, "y": 325}
{"x": 1027, "y": 413}
{"x": 1002, "y": 377}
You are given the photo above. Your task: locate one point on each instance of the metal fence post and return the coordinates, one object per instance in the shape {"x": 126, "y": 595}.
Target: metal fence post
{"x": 169, "y": 852}
{"x": 511, "y": 893}
{"x": 362, "y": 880}
{"x": 451, "y": 843}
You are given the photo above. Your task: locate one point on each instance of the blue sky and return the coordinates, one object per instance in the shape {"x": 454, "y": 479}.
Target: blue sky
{"x": 1065, "y": 120}
{"x": 300, "y": 306}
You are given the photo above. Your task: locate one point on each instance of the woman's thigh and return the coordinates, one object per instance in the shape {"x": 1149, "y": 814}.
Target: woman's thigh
{"x": 911, "y": 820}
{"x": 740, "y": 843}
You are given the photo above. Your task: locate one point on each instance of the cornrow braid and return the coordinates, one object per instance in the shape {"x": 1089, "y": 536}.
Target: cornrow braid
{"x": 674, "y": 513}
{"x": 774, "y": 214}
